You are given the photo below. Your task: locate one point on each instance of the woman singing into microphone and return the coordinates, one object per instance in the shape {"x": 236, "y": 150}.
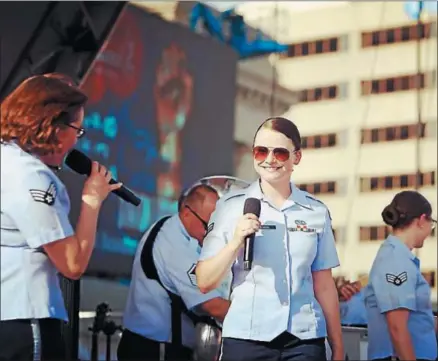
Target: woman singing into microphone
{"x": 40, "y": 122}
{"x": 287, "y": 303}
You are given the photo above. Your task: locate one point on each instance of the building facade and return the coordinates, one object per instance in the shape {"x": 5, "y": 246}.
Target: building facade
{"x": 259, "y": 96}
{"x": 357, "y": 66}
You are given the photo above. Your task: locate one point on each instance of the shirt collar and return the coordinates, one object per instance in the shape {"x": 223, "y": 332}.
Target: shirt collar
{"x": 297, "y": 196}
{"x": 21, "y": 151}
{"x": 182, "y": 228}
{"x": 401, "y": 247}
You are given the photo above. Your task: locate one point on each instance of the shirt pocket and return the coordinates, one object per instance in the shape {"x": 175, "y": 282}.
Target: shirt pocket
{"x": 303, "y": 245}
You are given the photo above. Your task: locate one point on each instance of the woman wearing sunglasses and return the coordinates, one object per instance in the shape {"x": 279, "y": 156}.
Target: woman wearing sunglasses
{"x": 398, "y": 298}
{"x": 40, "y": 122}
{"x": 287, "y": 303}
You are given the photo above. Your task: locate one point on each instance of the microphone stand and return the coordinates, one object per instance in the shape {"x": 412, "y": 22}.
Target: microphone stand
{"x": 101, "y": 324}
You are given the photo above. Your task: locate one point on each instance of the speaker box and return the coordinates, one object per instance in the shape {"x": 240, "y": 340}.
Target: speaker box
{"x": 52, "y": 36}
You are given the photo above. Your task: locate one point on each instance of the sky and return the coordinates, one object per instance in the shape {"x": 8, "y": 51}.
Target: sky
{"x": 223, "y": 5}
{"x": 297, "y": 5}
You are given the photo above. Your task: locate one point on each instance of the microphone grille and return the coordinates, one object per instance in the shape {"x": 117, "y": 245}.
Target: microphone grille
{"x": 78, "y": 162}
{"x": 252, "y": 205}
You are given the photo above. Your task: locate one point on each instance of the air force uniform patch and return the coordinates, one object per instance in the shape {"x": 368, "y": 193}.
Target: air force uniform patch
{"x": 47, "y": 197}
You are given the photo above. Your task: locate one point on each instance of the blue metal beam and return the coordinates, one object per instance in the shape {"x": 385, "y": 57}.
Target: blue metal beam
{"x": 238, "y": 39}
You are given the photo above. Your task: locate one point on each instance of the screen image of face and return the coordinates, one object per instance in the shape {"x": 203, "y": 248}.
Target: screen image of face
{"x": 154, "y": 120}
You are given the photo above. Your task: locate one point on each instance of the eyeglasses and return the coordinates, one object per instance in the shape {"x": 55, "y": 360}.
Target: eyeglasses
{"x": 204, "y": 223}
{"x": 433, "y": 223}
{"x": 80, "y": 132}
{"x": 260, "y": 153}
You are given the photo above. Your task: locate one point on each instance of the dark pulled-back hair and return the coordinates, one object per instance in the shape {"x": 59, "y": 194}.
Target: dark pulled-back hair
{"x": 283, "y": 126}
{"x": 34, "y": 113}
{"x": 404, "y": 208}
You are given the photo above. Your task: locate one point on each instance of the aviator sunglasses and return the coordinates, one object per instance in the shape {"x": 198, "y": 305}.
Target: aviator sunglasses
{"x": 260, "y": 153}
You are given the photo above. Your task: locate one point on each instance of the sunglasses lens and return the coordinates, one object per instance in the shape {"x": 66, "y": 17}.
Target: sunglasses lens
{"x": 281, "y": 154}
{"x": 260, "y": 153}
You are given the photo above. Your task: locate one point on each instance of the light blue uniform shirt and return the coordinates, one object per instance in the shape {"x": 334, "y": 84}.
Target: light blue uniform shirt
{"x": 396, "y": 282}
{"x": 353, "y": 311}
{"x": 34, "y": 212}
{"x": 148, "y": 311}
{"x": 277, "y": 294}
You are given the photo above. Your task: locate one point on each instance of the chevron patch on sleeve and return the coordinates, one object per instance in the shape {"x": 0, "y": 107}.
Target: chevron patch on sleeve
{"x": 47, "y": 196}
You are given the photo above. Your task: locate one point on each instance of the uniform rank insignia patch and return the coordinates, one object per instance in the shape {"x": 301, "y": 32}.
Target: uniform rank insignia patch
{"x": 397, "y": 280}
{"x": 192, "y": 275}
{"x": 210, "y": 228}
{"x": 48, "y": 196}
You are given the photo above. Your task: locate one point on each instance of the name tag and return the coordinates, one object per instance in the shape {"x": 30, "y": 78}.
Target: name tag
{"x": 268, "y": 226}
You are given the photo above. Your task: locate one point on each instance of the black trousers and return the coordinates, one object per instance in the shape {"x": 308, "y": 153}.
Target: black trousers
{"x": 285, "y": 347}
{"x": 21, "y": 340}
{"x": 133, "y": 347}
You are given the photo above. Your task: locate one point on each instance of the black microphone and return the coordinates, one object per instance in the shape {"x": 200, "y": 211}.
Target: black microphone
{"x": 81, "y": 164}
{"x": 252, "y": 205}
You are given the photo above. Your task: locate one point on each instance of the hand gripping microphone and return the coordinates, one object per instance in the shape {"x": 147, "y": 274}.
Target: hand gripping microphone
{"x": 252, "y": 205}
{"x": 81, "y": 164}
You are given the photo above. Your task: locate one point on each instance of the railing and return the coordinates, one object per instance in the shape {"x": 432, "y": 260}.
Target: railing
{"x": 355, "y": 339}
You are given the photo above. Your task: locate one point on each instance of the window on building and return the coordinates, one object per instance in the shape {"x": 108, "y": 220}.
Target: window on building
{"x": 430, "y": 277}
{"x": 404, "y": 83}
{"x": 331, "y": 139}
{"x": 333, "y": 44}
{"x": 318, "y": 188}
{"x": 374, "y": 135}
{"x": 368, "y": 184}
{"x": 388, "y": 183}
{"x": 396, "y": 35}
{"x": 319, "y": 141}
{"x": 313, "y": 47}
{"x": 290, "y": 52}
{"x": 405, "y": 33}
{"x": 394, "y": 84}
{"x": 390, "y": 85}
{"x": 390, "y": 36}
{"x": 320, "y": 93}
{"x": 373, "y": 233}
{"x": 374, "y": 183}
{"x": 319, "y": 48}
{"x": 388, "y": 134}
{"x": 375, "y": 87}
{"x": 333, "y": 90}
{"x": 331, "y": 187}
{"x": 404, "y": 132}
{"x": 305, "y": 49}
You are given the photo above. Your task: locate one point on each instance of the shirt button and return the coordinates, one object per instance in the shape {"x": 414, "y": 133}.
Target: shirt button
{"x": 284, "y": 281}
{"x": 285, "y": 303}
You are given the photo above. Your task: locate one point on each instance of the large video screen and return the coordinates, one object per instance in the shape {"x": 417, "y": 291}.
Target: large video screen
{"x": 160, "y": 116}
